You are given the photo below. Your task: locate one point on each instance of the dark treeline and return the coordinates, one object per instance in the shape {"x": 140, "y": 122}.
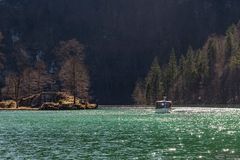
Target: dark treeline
{"x": 208, "y": 75}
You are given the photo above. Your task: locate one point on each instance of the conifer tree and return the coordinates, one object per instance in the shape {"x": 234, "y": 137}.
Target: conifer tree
{"x": 232, "y": 80}
{"x": 233, "y": 46}
{"x": 179, "y": 89}
{"x": 154, "y": 85}
{"x": 190, "y": 68}
{"x": 232, "y": 41}
{"x": 171, "y": 72}
{"x": 235, "y": 60}
{"x": 202, "y": 66}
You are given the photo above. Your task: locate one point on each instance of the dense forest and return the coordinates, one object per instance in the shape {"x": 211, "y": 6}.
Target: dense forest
{"x": 207, "y": 75}
{"x": 114, "y": 43}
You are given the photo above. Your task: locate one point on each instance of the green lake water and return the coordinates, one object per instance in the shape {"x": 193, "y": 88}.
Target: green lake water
{"x": 187, "y": 133}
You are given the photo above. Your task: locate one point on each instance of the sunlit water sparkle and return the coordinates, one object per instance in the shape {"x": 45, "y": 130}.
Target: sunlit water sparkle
{"x": 186, "y": 133}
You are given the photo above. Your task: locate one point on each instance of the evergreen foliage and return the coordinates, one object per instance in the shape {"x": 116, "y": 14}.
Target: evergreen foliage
{"x": 171, "y": 73}
{"x": 153, "y": 89}
{"x": 207, "y": 75}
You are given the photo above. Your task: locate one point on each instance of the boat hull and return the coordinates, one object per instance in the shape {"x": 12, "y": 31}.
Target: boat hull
{"x": 163, "y": 110}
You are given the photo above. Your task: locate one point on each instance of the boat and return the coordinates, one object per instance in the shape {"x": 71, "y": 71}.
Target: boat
{"x": 164, "y": 106}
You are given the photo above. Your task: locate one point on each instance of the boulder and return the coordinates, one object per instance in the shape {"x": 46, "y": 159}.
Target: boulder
{"x": 92, "y": 106}
{"x": 49, "y": 106}
{"x": 66, "y": 107}
{"x": 31, "y": 101}
{"x": 8, "y": 104}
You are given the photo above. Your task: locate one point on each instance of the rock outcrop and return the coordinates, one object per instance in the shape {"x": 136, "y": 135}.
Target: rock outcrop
{"x": 8, "y": 104}
{"x": 37, "y": 100}
{"x": 57, "y": 106}
{"x": 55, "y": 101}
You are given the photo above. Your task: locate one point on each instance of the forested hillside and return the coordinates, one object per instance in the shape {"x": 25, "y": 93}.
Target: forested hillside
{"x": 120, "y": 39}
{"x": 206, "y": 75}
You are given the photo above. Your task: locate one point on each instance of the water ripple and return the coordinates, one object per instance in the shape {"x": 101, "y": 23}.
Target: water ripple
{"x": 188, "y": 133}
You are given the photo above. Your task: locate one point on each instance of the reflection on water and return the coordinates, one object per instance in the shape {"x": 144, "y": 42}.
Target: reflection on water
{"x": 186, "y": 133}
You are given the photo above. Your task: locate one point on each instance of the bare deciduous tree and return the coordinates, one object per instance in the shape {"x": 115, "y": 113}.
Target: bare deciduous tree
{"x": 12, "y": 87}
{"x": 41, "y": 77}
{"x": 73, "y": 73}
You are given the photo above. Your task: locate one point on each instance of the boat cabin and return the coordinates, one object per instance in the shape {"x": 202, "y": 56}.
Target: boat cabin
{"x": 163, "y": 104}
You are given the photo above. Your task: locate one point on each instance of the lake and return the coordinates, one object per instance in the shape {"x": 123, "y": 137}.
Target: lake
{"x": 124, "y": 133}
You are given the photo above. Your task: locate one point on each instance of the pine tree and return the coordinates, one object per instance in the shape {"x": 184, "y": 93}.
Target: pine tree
{"x": 180, "y": 86}
{"x": 233, "y": 46}
{"x": 202, "y": 64}
{"x": 190, "y": 68}
{"x": 170, "y": 73}
{"x": 188, "y": 78}
{"x": 232, "y": 41}
{"x": 232, "y": 80}
{"x": 154, "y": 85}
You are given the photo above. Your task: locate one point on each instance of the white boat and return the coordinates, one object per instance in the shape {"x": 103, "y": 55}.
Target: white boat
{"x": 164, "y": 106}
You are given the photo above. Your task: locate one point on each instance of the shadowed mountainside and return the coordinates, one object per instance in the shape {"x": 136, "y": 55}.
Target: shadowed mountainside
{"x": 121, "y": 37}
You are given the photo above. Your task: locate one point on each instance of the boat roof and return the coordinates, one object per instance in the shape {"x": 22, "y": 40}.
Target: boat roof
{"x": 163, "y": 101}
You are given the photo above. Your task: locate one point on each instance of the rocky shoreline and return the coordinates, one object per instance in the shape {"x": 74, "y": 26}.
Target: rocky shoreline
{"x": 50, "y": 106}
{"x": 19, "y": 109}
{"x": 47, "y": 101}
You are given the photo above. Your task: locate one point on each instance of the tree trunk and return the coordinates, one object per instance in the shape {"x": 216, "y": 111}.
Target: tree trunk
{"x": 74, "y": 82}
